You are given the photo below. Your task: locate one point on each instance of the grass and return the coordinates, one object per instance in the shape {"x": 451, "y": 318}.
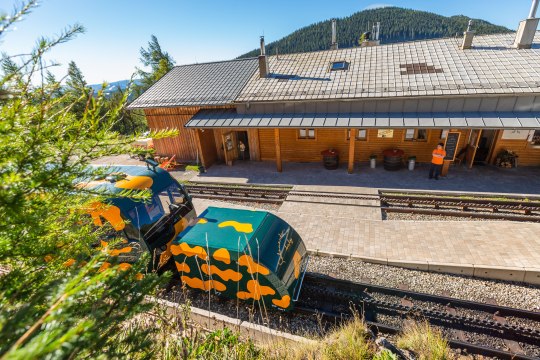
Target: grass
{"x": 351, "y": 341}
{"x": 427, "y": 343}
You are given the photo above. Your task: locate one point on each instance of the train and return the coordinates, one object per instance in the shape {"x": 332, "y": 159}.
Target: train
{"x": 240, "y": 254}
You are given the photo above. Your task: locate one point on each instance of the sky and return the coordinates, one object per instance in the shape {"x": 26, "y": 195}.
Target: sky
{"x": 199, "y": 30}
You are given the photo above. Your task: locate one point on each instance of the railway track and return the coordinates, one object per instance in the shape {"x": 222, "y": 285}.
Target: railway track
{"x": 449, "y": 205}
{"x": 478, "y": 328}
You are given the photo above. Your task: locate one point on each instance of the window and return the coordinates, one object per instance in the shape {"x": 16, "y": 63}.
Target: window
{"x": 535, "y": 138}
{"x": 361, "y": 134}
{"x": 306, "y": 133}
{"x": 416, "y": 135}
{"x": 339, "y": 65}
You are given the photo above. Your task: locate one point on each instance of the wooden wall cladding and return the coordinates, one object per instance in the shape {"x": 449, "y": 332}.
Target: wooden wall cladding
{"x": 303, "y": 150}
{"x": 184, "y": 146}
{"x": 528, "y": 155}
{"x": 208, "y": 146}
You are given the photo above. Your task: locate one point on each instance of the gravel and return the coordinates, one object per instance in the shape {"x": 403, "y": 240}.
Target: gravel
{"x": 505, "y": 293}
{"x": 424, "y": 217}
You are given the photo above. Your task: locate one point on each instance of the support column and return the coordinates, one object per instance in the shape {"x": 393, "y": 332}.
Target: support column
{"x": 352, "y": 142}
{"x": 278, "y": 150}
{"x": 199, "y": 147}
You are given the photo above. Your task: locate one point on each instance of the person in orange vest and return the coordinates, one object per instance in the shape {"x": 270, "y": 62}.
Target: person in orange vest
{"x": 437, "y": 161}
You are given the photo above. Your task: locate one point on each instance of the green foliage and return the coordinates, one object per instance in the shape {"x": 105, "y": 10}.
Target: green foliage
{"x": 58, "y": 300}
{"x": 397, "y": 25}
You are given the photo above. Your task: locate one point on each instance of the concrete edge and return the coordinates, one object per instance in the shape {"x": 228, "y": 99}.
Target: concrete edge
{"x": 457, "y": 192}
{"x": 480, "y": 271}
{"x": 213, "y": 321}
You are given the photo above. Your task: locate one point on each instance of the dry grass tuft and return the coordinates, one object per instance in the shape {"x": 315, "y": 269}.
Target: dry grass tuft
{"x": 351, "y": 341}
{"x": 427, "y": 343}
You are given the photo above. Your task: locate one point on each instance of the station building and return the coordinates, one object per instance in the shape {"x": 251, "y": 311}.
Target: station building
{"x": 484, "y": 90}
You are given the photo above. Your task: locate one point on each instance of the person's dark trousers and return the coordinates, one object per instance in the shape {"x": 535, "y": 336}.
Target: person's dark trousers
{"x": 435, "y": 170}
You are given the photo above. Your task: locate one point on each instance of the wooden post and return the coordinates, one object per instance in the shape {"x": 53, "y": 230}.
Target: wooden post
{"x": 278, "y": 150}
{"x": 352, "y": 142}
{"x": 445, "y": 167}
{"x": 199, "y": 146}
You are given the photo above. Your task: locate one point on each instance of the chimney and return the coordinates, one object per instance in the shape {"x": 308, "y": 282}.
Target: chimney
{"x": 468, "y": 37}
{"x": 263, "y": 62}
{"x": 527, "y": 29}
{"x": 334, "y": 45}
{"x": 372, "y": 38}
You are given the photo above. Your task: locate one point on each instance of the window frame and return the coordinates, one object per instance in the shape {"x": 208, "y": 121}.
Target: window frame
{"x": 357, "y": 138}
{"x": 415, "y": 135}
{"x": 307, "y": 137}
{"x": 344, "y": 68}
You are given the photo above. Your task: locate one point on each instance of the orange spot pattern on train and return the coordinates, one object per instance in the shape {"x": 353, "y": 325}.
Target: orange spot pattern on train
{"x": 185, "y": 249}
{"x": 252, "y": 266}
{"x": 135, "y": 183}
{"x": 226, "y": 275}
{"x": 207, "y": 285}
{"x": 110, "y": 213}
{"x": 182, "y": 267}
{"x": 222, "y": 255}
{"x": 283, "y": 303}
{"x": 253, "y": 254}
{"x": 255, "y": 291}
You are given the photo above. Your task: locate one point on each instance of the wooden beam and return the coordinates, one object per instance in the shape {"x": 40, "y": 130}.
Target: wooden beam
{"x": 352, "y": 142}
{"x": 278, "y": 150}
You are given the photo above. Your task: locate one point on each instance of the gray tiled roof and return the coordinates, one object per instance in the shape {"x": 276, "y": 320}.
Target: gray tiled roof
{"x": 487, "y": 120}
{"x": 420, "y": 68}
{"x": 215, "y": 83}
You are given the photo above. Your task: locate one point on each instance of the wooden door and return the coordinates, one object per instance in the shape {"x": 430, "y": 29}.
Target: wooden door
{"x": 472, "y": 146}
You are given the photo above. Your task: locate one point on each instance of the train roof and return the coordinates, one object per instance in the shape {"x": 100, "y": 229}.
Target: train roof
{"x": 128, "y": 178}
{"x": 259, "y": 234}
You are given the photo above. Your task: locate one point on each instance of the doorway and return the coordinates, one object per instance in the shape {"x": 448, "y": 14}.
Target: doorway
{"x": 242, "y": 139}
{"x": 484, "y": 147}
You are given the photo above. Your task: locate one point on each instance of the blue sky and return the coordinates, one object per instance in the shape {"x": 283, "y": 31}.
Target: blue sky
{"x": 200, "y": 31}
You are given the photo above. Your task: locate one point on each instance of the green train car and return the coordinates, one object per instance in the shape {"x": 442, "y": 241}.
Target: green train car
{"x": 144, "y": 226}
{"x": 242, "y": 254}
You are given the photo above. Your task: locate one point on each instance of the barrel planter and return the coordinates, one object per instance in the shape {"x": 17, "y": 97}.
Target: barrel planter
{"x": 393, "y": 159}
{"x": 330, "y": 159}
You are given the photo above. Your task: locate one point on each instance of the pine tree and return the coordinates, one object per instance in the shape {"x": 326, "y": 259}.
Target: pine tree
{"x": 160, "y": 63}
{"x": 57, "y": 300}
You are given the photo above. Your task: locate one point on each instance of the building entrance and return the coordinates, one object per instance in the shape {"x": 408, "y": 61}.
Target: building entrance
{"x": 485, "y": 145}
{"x": 242, "y": 143}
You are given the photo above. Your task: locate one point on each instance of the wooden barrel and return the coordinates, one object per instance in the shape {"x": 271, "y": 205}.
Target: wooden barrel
{"x": 330, "y": 159}
{"x": 393, "y": 159}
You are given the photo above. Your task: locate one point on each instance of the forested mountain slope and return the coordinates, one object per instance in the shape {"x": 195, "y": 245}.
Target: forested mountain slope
{"x": 397, "y": 25}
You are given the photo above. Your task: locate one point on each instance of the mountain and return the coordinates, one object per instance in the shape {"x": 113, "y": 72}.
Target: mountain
{"x": 397, "y": 25}
{"x": 113, "y": 86}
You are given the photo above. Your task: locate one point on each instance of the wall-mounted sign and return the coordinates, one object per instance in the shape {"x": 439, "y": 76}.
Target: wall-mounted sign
{"x": 515, "y": 134}
{"x": 385, "y": 133}
{"x": 451, "y": 145}
{"x": 228, "y": 142}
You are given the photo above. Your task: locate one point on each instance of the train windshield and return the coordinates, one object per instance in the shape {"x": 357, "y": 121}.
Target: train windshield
{"x": 145, "y": 215}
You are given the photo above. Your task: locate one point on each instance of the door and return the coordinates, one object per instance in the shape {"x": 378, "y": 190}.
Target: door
{"x": 472, "y": 145}
{"x": 242, "y": 143}
{"x": 485, "y": 145}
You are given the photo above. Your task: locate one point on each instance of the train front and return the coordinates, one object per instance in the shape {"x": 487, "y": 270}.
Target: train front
{"x": 146, "y": 226}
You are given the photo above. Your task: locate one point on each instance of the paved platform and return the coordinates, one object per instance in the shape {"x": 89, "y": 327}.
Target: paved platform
{"x": 522, "y": 180}
{"x": 496, "y": 249}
